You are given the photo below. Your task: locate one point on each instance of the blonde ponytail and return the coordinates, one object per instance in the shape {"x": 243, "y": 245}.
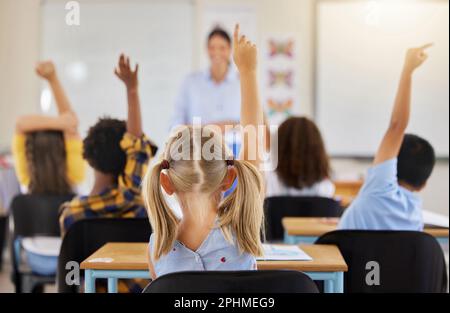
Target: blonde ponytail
{"x": 241, "y": 213}
{"x": 164, "y": 222}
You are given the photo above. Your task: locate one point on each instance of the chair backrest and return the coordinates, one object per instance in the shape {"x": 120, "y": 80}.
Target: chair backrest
{"x": 276, "y": 208}
{"x": 86, "y": 236}
{"x": 37, "y": 214}
{"x": 233, "y": 282}
{"x": 405, "y": 261}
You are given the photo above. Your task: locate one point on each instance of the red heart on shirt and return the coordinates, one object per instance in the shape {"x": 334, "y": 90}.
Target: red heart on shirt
{"x": 223, "y": 260}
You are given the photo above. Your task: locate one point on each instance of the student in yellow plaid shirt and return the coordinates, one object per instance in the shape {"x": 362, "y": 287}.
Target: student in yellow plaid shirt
{"x": 119, "y": 153}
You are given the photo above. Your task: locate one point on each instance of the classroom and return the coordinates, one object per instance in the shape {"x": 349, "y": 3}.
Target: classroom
{"x": 224, "y": 147}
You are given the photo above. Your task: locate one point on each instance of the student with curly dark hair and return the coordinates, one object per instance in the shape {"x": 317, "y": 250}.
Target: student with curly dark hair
{"x": 119, "y": 153}
{"x": 101, "y": 147}
{"x": 303, "y": 164}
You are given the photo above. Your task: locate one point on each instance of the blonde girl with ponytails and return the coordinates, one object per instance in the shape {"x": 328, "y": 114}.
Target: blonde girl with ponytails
{"x": 214, "y": 233}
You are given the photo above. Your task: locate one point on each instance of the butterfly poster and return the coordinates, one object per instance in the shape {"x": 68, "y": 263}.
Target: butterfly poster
{"x": 280, "y": 77}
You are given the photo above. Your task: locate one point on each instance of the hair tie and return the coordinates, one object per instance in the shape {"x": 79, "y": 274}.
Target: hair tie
{"x": 165, "y": 165}
{"x": 230, "y": 162}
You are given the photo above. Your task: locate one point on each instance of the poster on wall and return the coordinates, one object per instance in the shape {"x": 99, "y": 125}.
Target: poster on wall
{"x": 280, "y": 77}
{"x": 225, "y": 16}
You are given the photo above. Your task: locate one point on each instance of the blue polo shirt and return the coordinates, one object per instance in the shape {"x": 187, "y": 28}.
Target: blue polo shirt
{"x": 382, "y": 204}
{"x": 200, "y": 96}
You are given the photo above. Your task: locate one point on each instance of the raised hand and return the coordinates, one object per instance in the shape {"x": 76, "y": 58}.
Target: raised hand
{"x": 393, "y": 138}
{"x": 125, "y": 73}
{"x": 46, "y": 70}
{"x": 415, "y": 57}
{"x": 245, "y": 52}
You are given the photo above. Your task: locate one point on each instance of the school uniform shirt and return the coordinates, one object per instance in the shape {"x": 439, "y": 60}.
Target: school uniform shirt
{"x": 214, "y": 254}
{"x": 275, "y": 187}
{"x": 76, "y": 166}
{"x": 200, "y": 96}
{"x": 382, "y": 204}
{"x": 121, "y": 201}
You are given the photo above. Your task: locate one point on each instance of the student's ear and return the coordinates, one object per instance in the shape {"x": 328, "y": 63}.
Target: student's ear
{"x": 229, "y": 179}
{"x": 166, "y": 183}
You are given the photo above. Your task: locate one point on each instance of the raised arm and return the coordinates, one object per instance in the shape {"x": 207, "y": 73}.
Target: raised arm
{"x": 47, "y": 71}
{"x": 66, "y": 123}
{"x": 392, "y": 140}
{"x": 245, "y": 57}
{"x": 130, "y": 79}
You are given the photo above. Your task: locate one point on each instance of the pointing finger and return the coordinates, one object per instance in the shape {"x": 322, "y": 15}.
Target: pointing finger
{"x": 236, "y": 32}
{"x": 427, "y": 46}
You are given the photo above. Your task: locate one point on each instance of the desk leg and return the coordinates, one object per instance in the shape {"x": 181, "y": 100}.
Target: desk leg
{"x": 112, "y": 285}
{"x": 442, "y": 240}
{"x": 335, "y": 285}
{"x": 328, "y": 286}
{"x": 295, "y": 240}
{"x": 333, "y": 282}
{"x": 89, "y": 281}
{"x": 290, "y": 240}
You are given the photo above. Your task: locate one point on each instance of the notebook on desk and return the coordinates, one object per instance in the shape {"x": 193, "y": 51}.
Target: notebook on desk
{"x": 434, "y": 220}
{"x": 283, "y": 253}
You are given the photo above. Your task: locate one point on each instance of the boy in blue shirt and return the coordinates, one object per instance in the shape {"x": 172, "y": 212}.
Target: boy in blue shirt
{"x": 389, "y": 199}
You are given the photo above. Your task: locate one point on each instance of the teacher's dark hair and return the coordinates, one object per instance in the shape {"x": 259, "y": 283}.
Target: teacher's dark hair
{"x": 220, "y": 33}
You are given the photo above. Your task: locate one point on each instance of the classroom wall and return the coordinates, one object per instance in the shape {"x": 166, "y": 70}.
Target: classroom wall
{"x": 19, "y": 50}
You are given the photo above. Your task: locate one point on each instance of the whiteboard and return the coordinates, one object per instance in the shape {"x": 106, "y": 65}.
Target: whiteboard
{"x": 157, "y": 34}
{"x": 360, "y": 52}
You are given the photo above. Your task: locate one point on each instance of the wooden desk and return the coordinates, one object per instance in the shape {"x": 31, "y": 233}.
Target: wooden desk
{"x": 128, "y": 260}
{"x": 346, "y": 191}
{"x": 307, "y": 230}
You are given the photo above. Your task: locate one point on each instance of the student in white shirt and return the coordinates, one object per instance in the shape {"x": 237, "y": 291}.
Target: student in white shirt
{"x": 303, "y": 164}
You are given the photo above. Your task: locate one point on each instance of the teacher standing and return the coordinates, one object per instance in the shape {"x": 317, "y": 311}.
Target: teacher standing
{"x": 213, "y": 94}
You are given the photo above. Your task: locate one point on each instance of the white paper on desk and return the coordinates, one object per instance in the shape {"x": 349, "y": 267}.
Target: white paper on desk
{"x": 283, "y": 253}
{"x": 434, "y": 219}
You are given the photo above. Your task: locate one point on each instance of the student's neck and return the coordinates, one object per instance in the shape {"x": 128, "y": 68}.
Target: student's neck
{"x": 102, "y": 181}
{"x": 408, "y": 187}
{"x": 191, "y": 221}
{"x": 192, "y": 218}
{"x": 193, "y": 230}
{"x": 219, "y": 72}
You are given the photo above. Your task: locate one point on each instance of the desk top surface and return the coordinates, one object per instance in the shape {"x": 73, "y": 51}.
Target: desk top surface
{"x": 133, "y": 256}
{"x": 312, "y": 226}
